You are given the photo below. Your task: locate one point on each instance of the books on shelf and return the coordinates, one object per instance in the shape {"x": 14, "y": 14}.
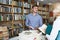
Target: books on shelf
{"x": 1, "y": 1}
{"x": 26, "y": 5}
{"x": 0, "y": 8}
{"x": 6, "y": 9}
{"x": 17, "y": 17}
{"x": 9, "y": 2}
{"x": 4, "y": 1}
{"x": 5, "y": 17}
{"x": 26, "y": 10}
{"x": 19, "y": 4}
{"x": 14, "y": 10}
{"x": 9, "y": 9}
{"x": 19, "y": 10}
{"x": 14, "y": 2}
{"x": 1, "y": 17}
{"x": 43, "y": 8}
{"x": 29, "y": 1}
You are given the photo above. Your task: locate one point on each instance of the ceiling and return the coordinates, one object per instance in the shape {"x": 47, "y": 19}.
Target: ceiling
{"x": 48, "y": 1}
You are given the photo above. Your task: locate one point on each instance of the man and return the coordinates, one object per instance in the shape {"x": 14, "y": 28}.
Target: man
{"x": 34, "y": 20}
{"x": 56, "y": 24}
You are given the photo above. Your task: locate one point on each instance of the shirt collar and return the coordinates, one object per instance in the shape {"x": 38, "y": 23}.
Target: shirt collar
{"x": 35, "y": 15}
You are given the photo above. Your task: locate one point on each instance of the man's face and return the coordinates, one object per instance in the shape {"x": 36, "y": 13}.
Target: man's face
{"x": 35, "y": 9}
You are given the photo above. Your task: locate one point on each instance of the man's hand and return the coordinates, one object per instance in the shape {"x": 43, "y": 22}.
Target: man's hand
{"x": 30, "y": 27}
{"x": 36, "y": 28}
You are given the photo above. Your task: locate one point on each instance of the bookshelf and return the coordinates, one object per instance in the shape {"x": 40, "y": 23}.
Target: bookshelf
{"x": 44, "y": 12}
{"x": 14, "y": 12}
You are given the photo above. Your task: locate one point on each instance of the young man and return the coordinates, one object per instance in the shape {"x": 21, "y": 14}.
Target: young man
{"x": 34, "y": 20}
{"x": 56, "y": 24}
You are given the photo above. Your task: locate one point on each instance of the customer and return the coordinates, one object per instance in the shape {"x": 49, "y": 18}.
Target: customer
{"x": 56, "y": 24}
{"x": 34, "y": 20}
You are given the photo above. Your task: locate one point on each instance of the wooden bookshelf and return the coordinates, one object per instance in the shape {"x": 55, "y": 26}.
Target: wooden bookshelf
{"x": 44, "y": 12}
{"x": 12, "y": 8}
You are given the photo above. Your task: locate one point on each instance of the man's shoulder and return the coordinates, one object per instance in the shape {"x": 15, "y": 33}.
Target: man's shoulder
{"x": 39, "y": 15}
{"x": 29, "y": 14}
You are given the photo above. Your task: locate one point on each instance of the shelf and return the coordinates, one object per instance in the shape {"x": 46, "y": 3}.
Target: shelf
{"x": 9, "y": 13}
{"x": 43, "y": 10}
{"x": 11, "y": 21}
{"x": 26, "y": 13}
{"x": 5, "y": 21}
{"x": 26, "y": 8}
{"x": 16, "y": 6}
{"x": 18, "y": 21}
{"x": 5, "y": 13}
{"x": 10, "y": 5}
{"x": 5, "y": 4}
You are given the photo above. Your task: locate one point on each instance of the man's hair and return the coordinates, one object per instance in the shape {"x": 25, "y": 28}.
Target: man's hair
{"x": 35, "y": 6}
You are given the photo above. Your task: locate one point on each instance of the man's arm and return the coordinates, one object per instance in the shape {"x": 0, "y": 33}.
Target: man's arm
{"x": 40, "y": 22}
{"x": 27, "y": 21}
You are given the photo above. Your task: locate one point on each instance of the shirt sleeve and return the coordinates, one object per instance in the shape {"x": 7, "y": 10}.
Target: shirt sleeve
{"x": 27, "y": 21}
{"x": 40, "y": 22}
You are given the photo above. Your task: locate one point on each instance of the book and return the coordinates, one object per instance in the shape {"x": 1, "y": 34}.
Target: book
{"x": 1, "y": 1}
{"x": 19, "y": 4}
{"x": 10, "y": 17}
{"x": 16, "y": 17}
{"x": 0, "y": 17}
{"x": 19, "y": 10}
{"x": 29, "y": 1}
{"x": 4, "y": 1}
{"x": 0, "y": 8}
{"x": 14, "y": 2}
{"x": 9, "y": 2}
{"x": 26, "y": 11}
{"x": 14, "y": 9}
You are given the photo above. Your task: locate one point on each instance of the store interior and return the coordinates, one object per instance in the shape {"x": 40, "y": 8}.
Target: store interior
{"x": 13, "y": 16}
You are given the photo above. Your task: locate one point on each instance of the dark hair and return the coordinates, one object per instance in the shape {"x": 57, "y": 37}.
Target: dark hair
{"x": 34, "y": 6}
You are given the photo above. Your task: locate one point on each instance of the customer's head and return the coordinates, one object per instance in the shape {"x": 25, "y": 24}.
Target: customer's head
{"x": 35, "y": 8}
{"x": 56, "y": 9}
